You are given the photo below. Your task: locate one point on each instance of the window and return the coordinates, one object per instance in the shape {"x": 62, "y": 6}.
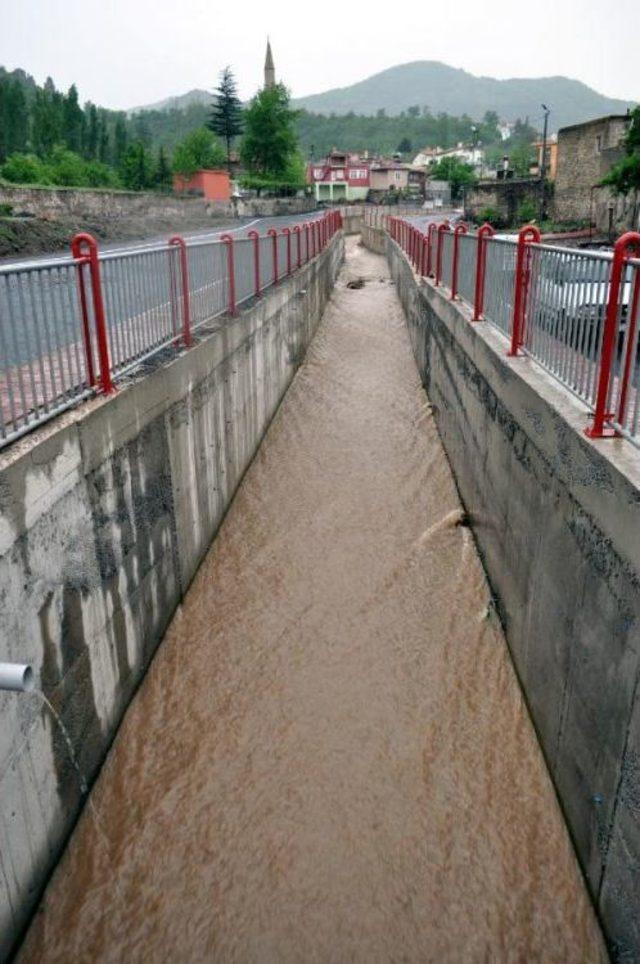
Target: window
{"x": 598, "y": 144}
{"x": 398, "y": 176}
{"x": 337, "y": 175}
{"x": 317, "y": 173}
{"x": 358, "y": 174}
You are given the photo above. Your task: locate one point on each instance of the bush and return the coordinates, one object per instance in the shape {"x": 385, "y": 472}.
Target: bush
{"x": 491, "y": 216}
{"x": 25, "y": 169}
{"x": 527, "y": 211}
{"x": 199, "y": 150}
{"x": 6, "y": 210}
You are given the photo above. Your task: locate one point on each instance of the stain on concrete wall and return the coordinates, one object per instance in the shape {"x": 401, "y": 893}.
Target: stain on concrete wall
{"x": 106, "y": 514}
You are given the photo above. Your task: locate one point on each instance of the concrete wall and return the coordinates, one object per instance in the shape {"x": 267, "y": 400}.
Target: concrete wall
{"x": 267, "y": 207}
{"x": 505, "y": 197}
{"x": 556, "y": 518}
{"x": 75, "y": 203}
{"x": 106, "y": 514}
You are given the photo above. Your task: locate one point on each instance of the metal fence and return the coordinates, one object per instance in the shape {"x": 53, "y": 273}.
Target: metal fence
{"x": 576, "y": 313}
{"x": 72, "y": 326}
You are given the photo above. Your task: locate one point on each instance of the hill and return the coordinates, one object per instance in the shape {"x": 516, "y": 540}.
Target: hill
{"x": 449, "y": 90}
{"x": 180, "y": 102}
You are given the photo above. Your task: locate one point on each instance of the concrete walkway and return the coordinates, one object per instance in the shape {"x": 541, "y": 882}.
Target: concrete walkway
{"x": 330, "y": 759}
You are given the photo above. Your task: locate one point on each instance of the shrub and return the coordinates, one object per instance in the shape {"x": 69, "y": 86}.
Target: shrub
{"x": 527, "y": 211}
{"x": 25, "y": 169}
{"x": 491, "y": 216}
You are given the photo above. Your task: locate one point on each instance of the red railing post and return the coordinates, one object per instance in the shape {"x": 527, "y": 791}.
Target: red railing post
{"x": 631, "y": 349}
{"x": 441, "y": 231}
{"x": 424, "y": 243}
{"x": 296, "y": 230}
{"x": 485, "y": 232}
{"x": 228, "y": 240}
{"x": 459, "y": 229}
{"x": 307, "y": 245}
{"x": 84, "y": 249}
{"x": 179, "y": 242}
{"x": 256, "y": 261}
{"x": 273, "y": 234}
{"x": 431, "y": 230}
{"x": 626, "y": 246}
{"x": 526, "y": 236}
{"x": 287, "y": 234}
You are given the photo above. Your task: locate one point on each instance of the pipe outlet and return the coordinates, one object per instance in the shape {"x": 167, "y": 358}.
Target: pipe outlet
{"x": 17, "y": 677}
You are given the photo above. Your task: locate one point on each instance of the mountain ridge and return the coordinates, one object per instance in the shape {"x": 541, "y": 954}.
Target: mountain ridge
{"x": 455, "y": 91}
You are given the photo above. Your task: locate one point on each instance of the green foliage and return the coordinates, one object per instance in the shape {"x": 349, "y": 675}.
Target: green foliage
{"x": 491, "y": 216}
{"x": 200, "y": 150}
{"x": 25, "y": 169}
{"x": 6, "y": 210}
{"x": 456, "y": 172}
{"x": 136, "y": 169}
{"x": 527, "y": 211}
{"x": 226, "y": 113}
{"x": 521, "y": 158}
{"x": 625, "y": 175}
{"x": 270, "y": 140}
{"x": 163, "y": 177}
{"x": 405, "y": 146}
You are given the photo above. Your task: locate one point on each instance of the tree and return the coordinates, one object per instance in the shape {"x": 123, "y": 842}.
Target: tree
{"x": 456, "y": 172}
{"x": 199, "y": 150}
{"x": 92, "y": 131}
{"x": 624, "y": 176}
{"x": 72, "y": 120}
{"x": 226, "y": 112}
{"x": 136, "y": 168}
{"x": 270, "y": 139}
{"x": 120, "y": 140}
{"x": 163, "y": 172}
{"x": 405, "y": 146}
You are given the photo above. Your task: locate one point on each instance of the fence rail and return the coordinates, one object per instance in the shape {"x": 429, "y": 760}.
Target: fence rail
{"x": 70, "y": 327}
{"x": 576, "y": 313}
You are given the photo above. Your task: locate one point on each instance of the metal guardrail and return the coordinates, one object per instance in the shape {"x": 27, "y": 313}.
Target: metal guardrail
{"x": 70, "y": 327}
{"x": 576, "y": 313}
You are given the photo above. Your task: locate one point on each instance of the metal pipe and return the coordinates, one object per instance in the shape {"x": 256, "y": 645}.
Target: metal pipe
{"x": 17, "y": 677}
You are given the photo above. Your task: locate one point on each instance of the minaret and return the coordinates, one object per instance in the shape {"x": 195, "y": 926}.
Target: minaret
{"x": 269, "y": 69}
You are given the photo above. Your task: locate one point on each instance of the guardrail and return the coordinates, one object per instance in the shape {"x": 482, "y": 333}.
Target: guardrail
{"x": 71, "y": 327}
{"x": 576, "y": 313}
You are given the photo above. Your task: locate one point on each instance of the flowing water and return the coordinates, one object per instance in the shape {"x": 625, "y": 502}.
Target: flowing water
{"x": 330, "y": 758}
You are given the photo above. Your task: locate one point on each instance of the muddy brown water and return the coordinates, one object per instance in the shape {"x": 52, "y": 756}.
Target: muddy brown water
{"x": 330, "y": 758}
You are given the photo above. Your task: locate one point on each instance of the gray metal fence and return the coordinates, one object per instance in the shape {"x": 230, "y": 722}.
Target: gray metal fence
{"x": 70, "y": 326}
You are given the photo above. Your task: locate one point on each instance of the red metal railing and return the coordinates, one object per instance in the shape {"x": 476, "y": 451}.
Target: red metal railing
{"x": 70, "y": 327}
{"x": 575, "y": 312}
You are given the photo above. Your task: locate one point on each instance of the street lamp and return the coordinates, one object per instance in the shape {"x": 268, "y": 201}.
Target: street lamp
{"x": 543, "y": 163}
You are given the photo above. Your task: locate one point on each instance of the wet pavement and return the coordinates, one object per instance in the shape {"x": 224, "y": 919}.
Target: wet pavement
{"x": 330, "y": 758}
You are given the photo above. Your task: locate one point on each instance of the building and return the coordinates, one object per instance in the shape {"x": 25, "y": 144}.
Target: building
{"x": 212, "y": 185}
{"x": 586, "y": 153}
{"x": 341, "y": 176}
{"x": 269, "y": 68}
{"x": 429, "y": 156}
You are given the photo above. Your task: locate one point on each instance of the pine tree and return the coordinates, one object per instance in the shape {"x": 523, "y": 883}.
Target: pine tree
{"x": 163, "y": 172}
{"x": 120, "y": 138}
{"x": 92, "y": 131}
{"x": 226, "y": 112}
{"x": 72, "y": 121}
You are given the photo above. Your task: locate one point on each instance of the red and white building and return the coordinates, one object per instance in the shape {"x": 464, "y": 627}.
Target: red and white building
{"x": 340, "y": 177}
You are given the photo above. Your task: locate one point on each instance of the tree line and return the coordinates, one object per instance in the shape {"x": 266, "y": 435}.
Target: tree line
{"x": 48, "y": 137}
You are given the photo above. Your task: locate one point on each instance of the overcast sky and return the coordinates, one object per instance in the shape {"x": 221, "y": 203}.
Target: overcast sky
{"x": 122, "y": 53}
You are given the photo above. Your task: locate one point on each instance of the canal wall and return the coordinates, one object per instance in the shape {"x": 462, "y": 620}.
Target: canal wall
{"x": 106, "y": 514}
{"x": 556, "y": 518}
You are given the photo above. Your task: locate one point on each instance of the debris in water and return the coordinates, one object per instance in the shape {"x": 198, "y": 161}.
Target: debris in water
{"x": 356, "y": 283}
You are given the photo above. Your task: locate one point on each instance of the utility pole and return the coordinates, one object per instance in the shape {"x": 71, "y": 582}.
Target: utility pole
{"x": 543, "y": 164}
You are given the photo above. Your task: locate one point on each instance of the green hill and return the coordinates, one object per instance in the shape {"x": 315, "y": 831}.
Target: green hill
{"x": 446, "y": 89}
